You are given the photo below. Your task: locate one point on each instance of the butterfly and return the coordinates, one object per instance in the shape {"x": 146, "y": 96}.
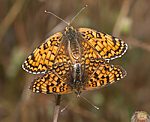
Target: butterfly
{"x": 69, "y": 44}
{"x": 66, "y": 78}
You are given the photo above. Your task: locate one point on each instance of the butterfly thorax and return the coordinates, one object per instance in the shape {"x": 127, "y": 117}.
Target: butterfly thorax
{"x": 73, "y": 43}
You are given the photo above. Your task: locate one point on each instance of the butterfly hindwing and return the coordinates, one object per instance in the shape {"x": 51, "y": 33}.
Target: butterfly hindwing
{"x": 107, "y": 46}
{"x": 43, "y": 56}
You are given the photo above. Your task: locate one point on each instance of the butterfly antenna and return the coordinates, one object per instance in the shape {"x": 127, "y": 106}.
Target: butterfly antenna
{"x": 78, "y": 13}
{"x": 88, "y": 102}
{"x": 62, "y": 110}
{"x": 48, "y": 12}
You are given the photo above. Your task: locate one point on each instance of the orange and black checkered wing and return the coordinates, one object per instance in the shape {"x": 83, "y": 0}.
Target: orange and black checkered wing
{"x": 55, "y": 81}
{"x": 107, "y": 46}
{"x": 90, "y": 59}
{"x": 104, "y": 75}
{"x": 43, "y": 56}
{"x": 50, "y": 83}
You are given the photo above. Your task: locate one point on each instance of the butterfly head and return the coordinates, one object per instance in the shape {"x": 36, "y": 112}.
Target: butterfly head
{"x": 69, "y": 29}
{"x": 70, "y": 33}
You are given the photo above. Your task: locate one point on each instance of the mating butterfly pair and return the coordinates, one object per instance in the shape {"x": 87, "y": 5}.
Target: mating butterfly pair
{"x": 75, "y": 60}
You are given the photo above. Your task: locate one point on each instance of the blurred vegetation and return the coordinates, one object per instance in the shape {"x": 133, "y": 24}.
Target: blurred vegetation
{"x": 24, "y": 25}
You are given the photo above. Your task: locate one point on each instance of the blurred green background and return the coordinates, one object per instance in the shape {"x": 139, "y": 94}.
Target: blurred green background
{"x": 24, "y": 25}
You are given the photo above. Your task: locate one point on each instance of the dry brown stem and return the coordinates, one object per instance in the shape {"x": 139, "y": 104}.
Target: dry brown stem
{"x": 57, "y": 108}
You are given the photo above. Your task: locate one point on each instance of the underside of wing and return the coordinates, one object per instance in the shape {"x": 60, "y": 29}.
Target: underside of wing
{"x": 107, "y": 46}
{"x": 43, "y": 56}
{"x": 104, "y": 75}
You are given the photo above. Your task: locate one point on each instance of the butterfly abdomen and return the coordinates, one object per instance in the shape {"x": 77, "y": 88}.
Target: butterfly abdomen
{"x": 77, "y": 72}
{"x": 77, "y": 78}
{"x": 73, "y": 43}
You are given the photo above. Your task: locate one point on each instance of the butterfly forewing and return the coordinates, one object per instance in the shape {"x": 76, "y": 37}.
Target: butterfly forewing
{"x": 107, "y": 46}
{"x": 43, "y": 56}
{"x": 88, "y": 51}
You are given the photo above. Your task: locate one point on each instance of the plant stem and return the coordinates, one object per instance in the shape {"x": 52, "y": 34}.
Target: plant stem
{"x": 57, "y": 108}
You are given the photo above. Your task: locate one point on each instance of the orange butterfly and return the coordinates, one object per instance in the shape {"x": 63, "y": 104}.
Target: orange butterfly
{"x": 65, "y": 78}
{"x": 69, "y": 44}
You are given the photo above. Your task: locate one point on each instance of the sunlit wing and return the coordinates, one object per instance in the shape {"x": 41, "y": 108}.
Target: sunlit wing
{"x": 104, "y": 75}
{"x": 62, "y": 69}
{"x": 55, "y": 81}
{"x": 92, "y": 65}
{"x": 89, "y": 52}
{"x": 50, "y": 83}
{"x": 43, "y": 57}
{"x": 107, "y": 46}
{"x": 61, "y": 56}
{"x": 90, "y": 59}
